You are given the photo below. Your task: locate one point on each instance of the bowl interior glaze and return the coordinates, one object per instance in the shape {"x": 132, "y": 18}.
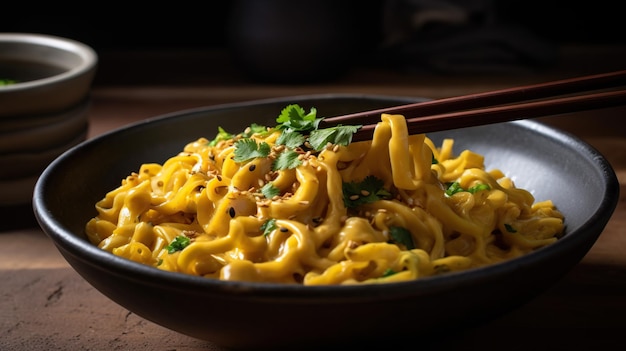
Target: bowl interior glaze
{"x": 548, "y": 162}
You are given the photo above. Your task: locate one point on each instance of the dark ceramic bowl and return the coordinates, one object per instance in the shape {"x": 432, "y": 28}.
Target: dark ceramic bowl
{"x": 549, "y": 163}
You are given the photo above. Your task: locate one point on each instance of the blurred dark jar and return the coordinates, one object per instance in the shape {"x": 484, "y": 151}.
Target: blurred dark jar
{"x": 286, "y": 41}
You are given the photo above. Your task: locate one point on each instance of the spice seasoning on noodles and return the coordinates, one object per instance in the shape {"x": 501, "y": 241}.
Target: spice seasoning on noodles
{"x": 297, "y": 204}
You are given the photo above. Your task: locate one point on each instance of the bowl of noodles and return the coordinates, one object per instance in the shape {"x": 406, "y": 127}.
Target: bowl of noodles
{"x": 250, "y": 226}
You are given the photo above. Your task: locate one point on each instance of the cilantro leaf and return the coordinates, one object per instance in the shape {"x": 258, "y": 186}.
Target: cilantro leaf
{"x": 478, "y": 187}
{"x": 388, "y": 272}
{"x": 269, "y": 190}
{"x": 287, "y": 159}
{"x": 247, "y": 149}
{"x": 254, "y": 129}
{"x": 221, "y": 135}
{"x": 291, "y": 139}
{"x": 340, "y": 135}
{"x": 268, "y": 226}
{"x": 402, "y": 236}
{"x": 319, "y": 138}
{"x": 368, "y": 190}
{"x": 180, "y": 242}
{"x": 294, "y": 118}
{"x": 7, "y": 81}
{"x": 455, "y": 187}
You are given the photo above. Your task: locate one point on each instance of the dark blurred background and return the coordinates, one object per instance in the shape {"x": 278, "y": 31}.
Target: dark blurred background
{"x": 308, "y": 40}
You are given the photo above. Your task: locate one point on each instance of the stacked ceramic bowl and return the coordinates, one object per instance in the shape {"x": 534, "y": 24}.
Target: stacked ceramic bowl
{"x": 45, "y": 84}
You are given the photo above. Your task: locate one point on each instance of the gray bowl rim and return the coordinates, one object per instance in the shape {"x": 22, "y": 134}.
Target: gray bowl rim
{"x": 70, "y": 243}
{"x": 88, "y": 56}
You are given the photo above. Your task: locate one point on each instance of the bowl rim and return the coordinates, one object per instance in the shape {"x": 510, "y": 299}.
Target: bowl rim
{"x": 70, "y": 243}
{"x": 88, "y": 57}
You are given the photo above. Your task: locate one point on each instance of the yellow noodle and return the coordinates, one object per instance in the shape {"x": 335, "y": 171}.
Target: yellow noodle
{"x": 203, "y": 195}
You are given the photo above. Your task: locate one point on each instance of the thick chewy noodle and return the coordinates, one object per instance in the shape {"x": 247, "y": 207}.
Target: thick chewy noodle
{"x": 203, "y": 213}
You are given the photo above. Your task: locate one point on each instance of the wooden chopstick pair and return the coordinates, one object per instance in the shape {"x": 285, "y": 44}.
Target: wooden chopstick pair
{"x": 504, "y": 105}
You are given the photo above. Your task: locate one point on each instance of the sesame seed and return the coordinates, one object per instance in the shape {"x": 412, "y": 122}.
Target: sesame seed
{"x": 252, "y": 168}
{"x": 365, "y": 192}
{"x": 231, "y": 212}
{"x": 354, "y": 197}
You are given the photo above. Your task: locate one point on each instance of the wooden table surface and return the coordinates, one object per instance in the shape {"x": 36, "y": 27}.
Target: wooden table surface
{"x": 45, "y": 305}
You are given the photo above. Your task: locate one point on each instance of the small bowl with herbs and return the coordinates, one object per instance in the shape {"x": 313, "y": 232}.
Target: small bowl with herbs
{"x": 45, "y": 83}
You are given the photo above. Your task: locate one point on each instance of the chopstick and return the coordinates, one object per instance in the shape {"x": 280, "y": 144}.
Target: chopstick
{"x": 504, "y": 105}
